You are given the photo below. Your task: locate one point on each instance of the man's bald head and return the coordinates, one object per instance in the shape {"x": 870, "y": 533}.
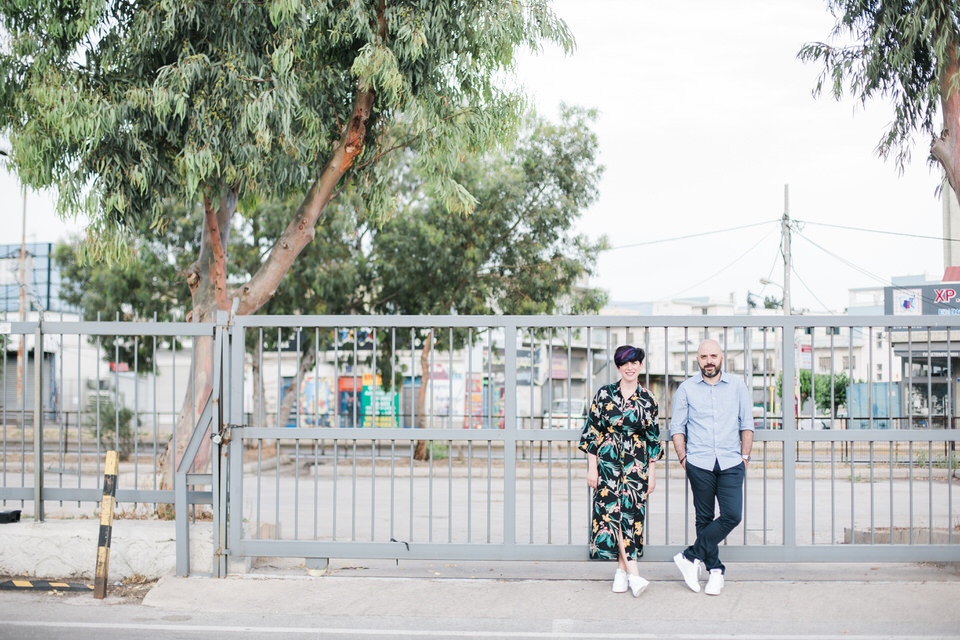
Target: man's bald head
{"x": 710, "y": 360}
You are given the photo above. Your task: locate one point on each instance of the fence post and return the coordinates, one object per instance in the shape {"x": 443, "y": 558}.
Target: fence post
{"x": 218, "y": 448}
{"x": 38, "y": 422}
{"x": 788, "y": 402}
{"x": 510, "y": 434}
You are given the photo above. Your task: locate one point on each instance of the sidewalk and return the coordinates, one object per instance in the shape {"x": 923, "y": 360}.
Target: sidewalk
{"x": 783, "y": 600}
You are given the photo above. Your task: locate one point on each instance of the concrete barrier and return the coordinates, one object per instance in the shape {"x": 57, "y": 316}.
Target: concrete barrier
{"x": 68, "y": 548}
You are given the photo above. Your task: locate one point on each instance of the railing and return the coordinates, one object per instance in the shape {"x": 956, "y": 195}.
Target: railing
{"x": 863, "y": 469}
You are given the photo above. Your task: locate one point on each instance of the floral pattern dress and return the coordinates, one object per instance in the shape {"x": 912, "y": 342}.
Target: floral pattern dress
{"x": 624, "y": 435}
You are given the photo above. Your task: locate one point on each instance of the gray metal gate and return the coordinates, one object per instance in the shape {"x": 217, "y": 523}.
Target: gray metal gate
{"x": 513, "y": 489}
{"x": 863, "y": 468}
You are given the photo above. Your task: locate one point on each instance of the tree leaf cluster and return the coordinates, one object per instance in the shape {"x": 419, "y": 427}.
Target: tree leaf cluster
{"x": 517, "y": 252}
{"x": 898, "y": 50}
{"x": 831, "y": 389}
{"x": 126, "y": 106}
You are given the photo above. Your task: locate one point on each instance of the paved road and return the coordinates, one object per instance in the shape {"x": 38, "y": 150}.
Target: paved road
{"x": 510, "y": 600}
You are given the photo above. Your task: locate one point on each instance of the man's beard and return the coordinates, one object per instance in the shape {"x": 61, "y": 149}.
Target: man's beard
{"x": 716, "y": 371}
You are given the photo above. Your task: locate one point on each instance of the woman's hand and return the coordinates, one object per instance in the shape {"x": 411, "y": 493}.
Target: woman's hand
{"x": 593, "y": 477}
{"x": 651, "y": 479}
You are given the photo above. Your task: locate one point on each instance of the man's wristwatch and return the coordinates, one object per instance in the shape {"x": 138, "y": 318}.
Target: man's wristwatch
{"x": 746, "y": 457}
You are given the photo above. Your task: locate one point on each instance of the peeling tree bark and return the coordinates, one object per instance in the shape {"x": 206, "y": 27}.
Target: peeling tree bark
{"x": 207, "y": 276}
{"x": 946, "y": 147}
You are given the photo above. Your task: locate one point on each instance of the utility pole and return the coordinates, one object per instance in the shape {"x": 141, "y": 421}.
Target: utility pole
{"x": 785, "y": 230}
{"x": 23, "y": 297}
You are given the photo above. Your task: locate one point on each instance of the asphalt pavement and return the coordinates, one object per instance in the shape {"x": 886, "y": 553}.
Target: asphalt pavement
{"x": 387, "y": 599}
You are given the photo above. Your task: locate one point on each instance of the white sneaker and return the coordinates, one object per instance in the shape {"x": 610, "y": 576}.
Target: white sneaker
{"x": 620, "y": 581}
{"x": 637, "y": 584}
{"x": 714, "y": 583}
{"x": 689, "y": 570}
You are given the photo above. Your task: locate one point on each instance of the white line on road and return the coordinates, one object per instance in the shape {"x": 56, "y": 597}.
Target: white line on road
{"x": 445, "y": 633}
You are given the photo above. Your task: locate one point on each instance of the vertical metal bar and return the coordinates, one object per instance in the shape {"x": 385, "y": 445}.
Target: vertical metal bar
{"x": 38, "y": 423}
{"x": 490, "y": 489}
{"x": 873, "y": 527}
{"x": 374, "y": 403}
{"x": 336, "y": 478}
{"x": 790, "y": 436}
{"x": 510, "y": 436}
{"x": 136, "y": 412}
{"x": 4, "y": 340}
{"x": 353, "y": 489}
{"x": 870, "y": 384}
{"x": 833, "y": 486}
{"x": 80, "y": 424}
{"x": 890, "y": 455}
{"x": 63, "y": 438}
{"x": 336, "y": 380}
{"x": 218, "y": 450}
{"x": 276, "y": 484}
{"x": 393, "y": 484}
{"x": 156, "y": 415}
{"x": 236, "y": 336}
{"x": 450, "y": 489}
{"x": 909, "y": 405}
{"x": 910, "y": 484}
{"x": 410, "y": 501}
{"x": 295, "y": 390}
{"x": 930, "y": 487}
{"x": 451, "y": 404}
{"x": 813, "y": 491}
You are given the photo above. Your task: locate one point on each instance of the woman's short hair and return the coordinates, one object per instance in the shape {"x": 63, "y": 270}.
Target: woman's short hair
{"x": 626, "y": 353}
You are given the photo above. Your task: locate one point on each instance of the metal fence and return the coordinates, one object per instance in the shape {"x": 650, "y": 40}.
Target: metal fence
{"x": 312, "y": 426}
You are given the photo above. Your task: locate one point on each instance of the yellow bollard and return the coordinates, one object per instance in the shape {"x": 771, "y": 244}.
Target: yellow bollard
{"x": 106, "y": 525}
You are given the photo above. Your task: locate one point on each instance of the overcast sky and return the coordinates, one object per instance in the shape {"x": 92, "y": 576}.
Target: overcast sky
{"x": 705, "y": 115}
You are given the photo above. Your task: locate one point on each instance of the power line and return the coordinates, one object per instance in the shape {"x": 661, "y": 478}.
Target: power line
{"x": 861, "y": 270}
{"x": 719, "y": 271}
{"x": 889, "y": 233}
{"x": 809, "y": 290}
{"x": 692, "y": 235}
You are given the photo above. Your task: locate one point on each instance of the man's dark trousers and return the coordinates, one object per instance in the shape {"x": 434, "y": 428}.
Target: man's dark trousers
{"x": 725, "y": 487}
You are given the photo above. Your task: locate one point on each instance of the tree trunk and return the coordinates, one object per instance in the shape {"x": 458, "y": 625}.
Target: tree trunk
{"x": 422, "y": 452}
{"x": 207, "y": 277}
{"x": 946, "y": 147}
{"x": 286, "y": 407}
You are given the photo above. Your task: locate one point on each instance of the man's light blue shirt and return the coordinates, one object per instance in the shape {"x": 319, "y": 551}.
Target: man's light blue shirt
{"x": 712, "y": 417}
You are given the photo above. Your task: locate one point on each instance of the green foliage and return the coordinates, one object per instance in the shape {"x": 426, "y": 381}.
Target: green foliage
{"x": 516, "y": 253}
{"x": 126, "y": 107}
{"x": 112, "y": 426}
{"x": 899, "y": 51}
{"x": 772, "y": 302}
{"x": 831, "y": 390}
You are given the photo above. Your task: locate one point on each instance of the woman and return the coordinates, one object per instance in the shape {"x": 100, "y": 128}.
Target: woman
{"x": 621, "y": 438}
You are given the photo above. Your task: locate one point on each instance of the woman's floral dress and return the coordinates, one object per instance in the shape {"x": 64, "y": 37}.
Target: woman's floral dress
{"x": 625, "y": 436}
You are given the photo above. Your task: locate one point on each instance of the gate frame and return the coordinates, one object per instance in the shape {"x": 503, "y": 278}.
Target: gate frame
{"x": 233, "y": 543}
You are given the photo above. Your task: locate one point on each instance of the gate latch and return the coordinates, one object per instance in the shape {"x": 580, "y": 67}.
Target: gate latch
{"x": 223, "y": 436}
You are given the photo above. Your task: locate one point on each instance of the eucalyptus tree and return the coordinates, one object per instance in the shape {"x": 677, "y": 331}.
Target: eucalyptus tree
{"x": 518, "y": 252}
{"x": 124, "y": 106}
{"x": 905, "y": 51}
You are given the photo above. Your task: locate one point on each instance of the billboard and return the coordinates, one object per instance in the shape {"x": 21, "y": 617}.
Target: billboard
{"x": 941, "y": 299}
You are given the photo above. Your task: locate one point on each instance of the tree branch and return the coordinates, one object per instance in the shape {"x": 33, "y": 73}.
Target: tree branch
{"x": 261, "y": 287}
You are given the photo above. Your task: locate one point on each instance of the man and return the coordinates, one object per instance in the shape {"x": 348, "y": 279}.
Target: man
{"x": 712, "y": 432}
